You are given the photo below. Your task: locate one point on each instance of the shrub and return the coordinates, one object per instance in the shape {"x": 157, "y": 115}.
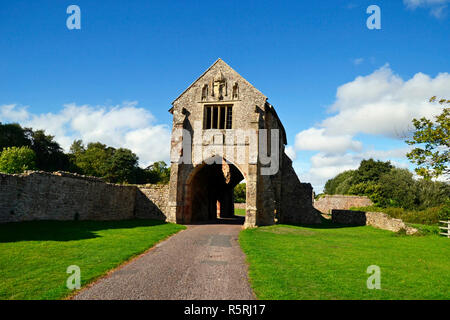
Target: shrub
{"x": 444, "y": 212}
{"x": 17, "y": 160}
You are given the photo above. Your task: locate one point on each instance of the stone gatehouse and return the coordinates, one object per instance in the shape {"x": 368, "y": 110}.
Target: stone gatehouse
{"x": 225, "y": 131}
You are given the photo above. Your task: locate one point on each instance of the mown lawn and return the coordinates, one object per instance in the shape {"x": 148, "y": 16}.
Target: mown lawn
{"x": 330, "y": 262}
{"x": 34, "y": 256}
{"x": 239, "y": 212}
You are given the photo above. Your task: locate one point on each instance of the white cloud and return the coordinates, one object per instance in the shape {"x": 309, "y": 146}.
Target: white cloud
{"x": 380, "y": 104}
{"x": 123, "y": 125}
{"x": 437, "y": 7}
{"x": 383, "y": 103}
{"x": 9, "y": 112}
{"x": 318, "y": 139}
{"x": 417, "y": 3}
{"x": 290, "y": 151}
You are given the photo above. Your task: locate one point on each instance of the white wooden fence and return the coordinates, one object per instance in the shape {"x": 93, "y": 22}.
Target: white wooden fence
{"x": 445, "y": 228}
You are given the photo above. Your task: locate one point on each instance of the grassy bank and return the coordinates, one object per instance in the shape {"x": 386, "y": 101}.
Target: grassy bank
{"x": 34, "y": 256}
{"x": 330, "y": 262}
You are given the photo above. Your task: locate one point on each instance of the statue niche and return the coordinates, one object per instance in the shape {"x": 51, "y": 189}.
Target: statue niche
{"x": 235, "y": 94}
{"x": 204, "y": 92}
{"x": 219, "y": 87}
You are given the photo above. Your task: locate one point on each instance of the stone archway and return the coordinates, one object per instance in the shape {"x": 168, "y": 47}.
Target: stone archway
{"x": 209, "y": 192}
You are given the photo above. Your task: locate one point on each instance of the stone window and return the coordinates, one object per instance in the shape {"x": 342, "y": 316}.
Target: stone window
{"x": 218, "y": 117}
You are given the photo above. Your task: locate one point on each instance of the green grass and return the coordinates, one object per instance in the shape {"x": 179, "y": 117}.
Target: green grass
{"x": 239, "y": 212}
{"x": 330, "y": 262}
{"x": 34, "y": 256}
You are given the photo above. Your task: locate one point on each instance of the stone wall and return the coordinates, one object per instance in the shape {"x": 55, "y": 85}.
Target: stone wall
{"x": 65, "y": 196}
{"x": 296, "y": 198}
{"x": 240, "y": 205}
{"x": 378, "y": 220}
{"x": 328, "y": 202}
{"x": 152, "y": 201}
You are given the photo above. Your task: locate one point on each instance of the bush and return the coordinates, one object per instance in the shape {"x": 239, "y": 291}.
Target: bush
{"x": 17, "y": 160}
{"x": 240, "y": 193}
{"x": 444, "y": 212}
{"x": 430, "y": 216}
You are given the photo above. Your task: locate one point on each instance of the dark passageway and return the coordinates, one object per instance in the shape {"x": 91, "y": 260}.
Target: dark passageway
{"x": 211, "y": 194}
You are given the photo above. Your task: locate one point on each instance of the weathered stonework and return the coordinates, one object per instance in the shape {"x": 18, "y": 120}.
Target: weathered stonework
{"x": 378, "y": 220}
{"x": 151, "y": 201}
{"x": 202, "y": 191}
{"x": 65, "y": 196}
{"x": 328, "y": 202}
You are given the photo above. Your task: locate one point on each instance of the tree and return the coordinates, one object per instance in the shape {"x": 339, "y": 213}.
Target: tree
{"x": 12, "y": 135}
{"x": 398, "y": 189}
{"x": 240, "y": 193}
{"x": 158, "y": 172}
{"x": 123, "y": 167}
{"x": 339, "y": 184}
{"x": 17, "y": 159}
{"x": 432, "y": 138}
{"x": 49, "y": 154}
{"x": 95, "y": 159}
{"x": 371, "y": 170}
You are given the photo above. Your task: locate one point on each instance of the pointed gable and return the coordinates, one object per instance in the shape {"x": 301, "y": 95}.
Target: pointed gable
{"x": 216, "y": 71}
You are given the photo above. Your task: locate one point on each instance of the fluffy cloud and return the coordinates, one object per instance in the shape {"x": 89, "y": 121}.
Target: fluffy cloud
{"x": 318, "y": 139}
{"x": 123, "y": 125}
{"x": 380, "y": 104}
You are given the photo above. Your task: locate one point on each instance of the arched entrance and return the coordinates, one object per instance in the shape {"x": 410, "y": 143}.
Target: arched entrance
{"x": 209, "y": 192}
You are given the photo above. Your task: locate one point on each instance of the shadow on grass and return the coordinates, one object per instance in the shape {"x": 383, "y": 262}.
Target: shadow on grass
{"x": 64, "y": 230}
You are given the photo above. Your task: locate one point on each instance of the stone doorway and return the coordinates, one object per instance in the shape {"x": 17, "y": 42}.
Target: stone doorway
{"x": 210, "y": 193}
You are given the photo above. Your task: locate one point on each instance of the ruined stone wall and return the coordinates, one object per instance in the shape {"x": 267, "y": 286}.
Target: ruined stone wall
{"x": 328, "y": 202}
{"x": 152, "y": 201}
{"x": 296, "y": 198}
{"x": 65, "y": 196}
{"x": 378, "y": 220}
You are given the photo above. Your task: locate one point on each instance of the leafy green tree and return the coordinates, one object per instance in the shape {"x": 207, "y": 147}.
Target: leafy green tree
{"x": 240, "y": 195}
{"x": 340, "y": 184}
{"x": 49, "y": 154}
{"x": 398, "y": 189}
{"x": 95, "y": 159}
{"x": 17, "y": 159}
{"x": 432, "y": 138}
{"x": 158, "y": 172}
{"x": 371, "y": 170}
{"x": 12, "y": 135}
{"x": 123, "y": 167}
{"x": 431, "y": 193}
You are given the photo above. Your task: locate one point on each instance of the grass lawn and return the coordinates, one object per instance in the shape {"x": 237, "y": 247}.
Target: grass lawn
{"x": 330, "y": 262}
{"x": 239, "y": 212}
{"x": 34, "y": 256}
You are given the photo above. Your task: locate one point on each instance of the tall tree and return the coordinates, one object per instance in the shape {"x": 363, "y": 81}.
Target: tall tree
{"x": 432, "y": 141}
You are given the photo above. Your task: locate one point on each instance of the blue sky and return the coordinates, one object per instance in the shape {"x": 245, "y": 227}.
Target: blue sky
{"x": 131, "y": 59}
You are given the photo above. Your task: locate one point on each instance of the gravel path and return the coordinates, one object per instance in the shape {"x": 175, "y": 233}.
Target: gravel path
{"x": 201, "y": 262}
